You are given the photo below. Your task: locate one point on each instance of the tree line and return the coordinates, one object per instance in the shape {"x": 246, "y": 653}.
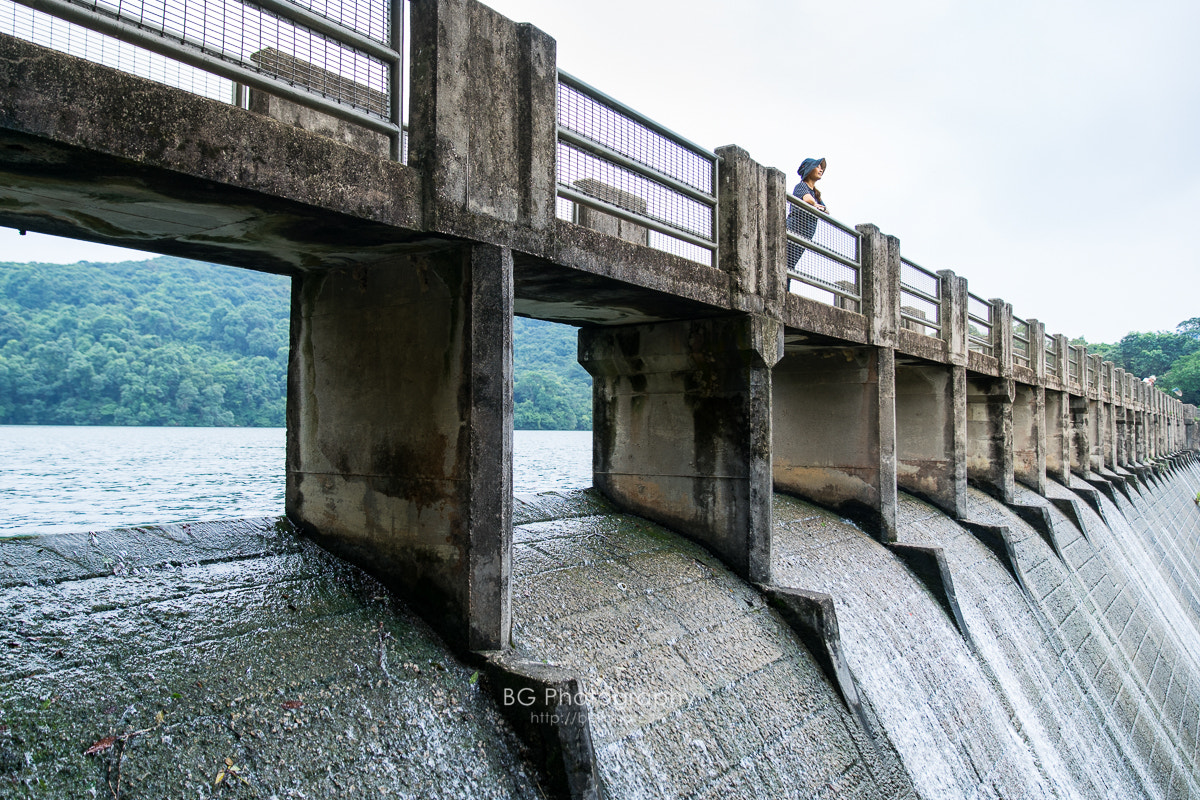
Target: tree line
{"x": 1172, "y": 357}
{"x": 169, "y": 341}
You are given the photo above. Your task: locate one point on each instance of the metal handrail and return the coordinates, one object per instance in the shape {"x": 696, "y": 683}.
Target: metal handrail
{"x": 641, "y": 168}
{"x": 1020, "y": 337}
{"x": 235, "y": 67}
{"x": 975, "y": 341}
{"x": 806, "y": 244}
{"x": 910, "y": 289}
{"x": 1050, "y": 346}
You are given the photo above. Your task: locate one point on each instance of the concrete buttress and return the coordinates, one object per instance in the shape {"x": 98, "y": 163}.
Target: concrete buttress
{"x": 682, "y": 428}
{"x": 399, "y": 448}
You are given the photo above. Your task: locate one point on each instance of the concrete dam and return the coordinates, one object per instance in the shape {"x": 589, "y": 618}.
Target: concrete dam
{"x": 854, "y": 531}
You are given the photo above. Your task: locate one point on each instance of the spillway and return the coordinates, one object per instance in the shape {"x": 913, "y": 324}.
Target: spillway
{"x": 1059, "y": 658}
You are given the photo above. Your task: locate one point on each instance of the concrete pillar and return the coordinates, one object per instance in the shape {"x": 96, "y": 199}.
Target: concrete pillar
{"x": 483, "y": 129}
{"x": 931, "y": 439}
{"x": 834, "y": 432}
{"x": 1030, "y": 442}
{"x": 1097, "y": 421}
{"x": 751, "y": 214}
{"x": 931, "y": 412}
{"x": 1120, "y": 421}
{"x": 682, "y": 428}
{"x": 1059, "y": 435}
{"x": 989, "y": 449}
{"x": 1029, "y": 417}
{"x": 1191, "y": 428}
{"x": 399, "y": 445}
{"x": 989, "y": 408}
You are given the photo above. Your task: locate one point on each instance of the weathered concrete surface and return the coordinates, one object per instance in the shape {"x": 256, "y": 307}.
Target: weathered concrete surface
{"x": 989, "y": 409}
{"x": 253, "y": 646}
{"x": 834, "y": 431}
{"x": 698, "y": 688}
{"x": 400, "y": 430}
{"x": 682, "y": 428}
{"x": 931, "y": 437}
{"x": 92, "y": 153}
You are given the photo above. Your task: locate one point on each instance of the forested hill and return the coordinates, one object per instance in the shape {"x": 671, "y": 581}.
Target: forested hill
{"x": 174, "y": 342}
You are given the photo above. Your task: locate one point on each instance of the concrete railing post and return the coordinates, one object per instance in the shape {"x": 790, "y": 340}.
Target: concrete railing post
{"x": 483, "y": 130}
{"x": 752, "y": 209}
{"x": 880, "y": 285}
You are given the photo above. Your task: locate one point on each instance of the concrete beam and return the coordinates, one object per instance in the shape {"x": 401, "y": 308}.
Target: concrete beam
{"x": 399, "y": 448}
{"x": 682, "y": 429}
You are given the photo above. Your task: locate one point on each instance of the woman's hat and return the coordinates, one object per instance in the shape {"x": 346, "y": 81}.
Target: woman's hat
{"x": 808, "y": 165}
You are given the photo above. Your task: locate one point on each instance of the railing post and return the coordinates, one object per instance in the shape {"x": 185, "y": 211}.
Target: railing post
{"x": 1002, "y": 336}
{"x": 953, "y": 292}
{"x": 751, "y": 213}
{"x": 1037, "y": 349}
{"x": 482, "y": 165}
{"x": 880, "y": 279}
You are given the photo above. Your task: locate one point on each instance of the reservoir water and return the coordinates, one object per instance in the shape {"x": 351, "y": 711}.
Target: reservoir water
{"x": 59, "y": 479}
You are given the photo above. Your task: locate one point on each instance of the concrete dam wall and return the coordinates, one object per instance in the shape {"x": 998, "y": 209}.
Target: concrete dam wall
{"x": 1042, "y": 661}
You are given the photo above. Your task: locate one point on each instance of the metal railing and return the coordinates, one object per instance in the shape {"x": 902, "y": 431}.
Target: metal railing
{"x": 1073, "y": 364}
{"x": 1020, "y": 342}
{"x": 342, "y": 58}
{"x": 920, "y": 299}
{"x": 1089, "y": 369}
{"x": 979, "y": 324}
{"x": 1050, "y": 345}
{"x": 824, "y": 257}
{"x": 617, "y": 162}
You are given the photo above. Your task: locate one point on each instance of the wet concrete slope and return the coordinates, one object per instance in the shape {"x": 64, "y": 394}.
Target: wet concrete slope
{"x": 196, "y": 644}
{"x": 1078, "y": 671}
{"x": 698, "y": 689}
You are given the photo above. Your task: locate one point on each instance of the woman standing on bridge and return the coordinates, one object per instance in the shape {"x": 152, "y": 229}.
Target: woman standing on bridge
{"x": 798, "y": 221}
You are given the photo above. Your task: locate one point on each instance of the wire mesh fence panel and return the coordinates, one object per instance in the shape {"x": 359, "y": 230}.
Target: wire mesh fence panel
{"x": 67, "y": 37}
{"x": 1050, "y": 345}
{"x": 1020, "y": 343}
{"x": 979, "y": 324}
{"x": 920, "y": 300}
{"x": 626, "y": 189}
{"x": 822, "y": 257}
{"x": 330, "y": 54}
{"x": 1073, "y": 364}
{"x": 589, "y": 116}
{"x": 624, "y": 175}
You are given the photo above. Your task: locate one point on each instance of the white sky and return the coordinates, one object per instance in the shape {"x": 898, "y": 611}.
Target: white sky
{"x": 1043, "y": 149}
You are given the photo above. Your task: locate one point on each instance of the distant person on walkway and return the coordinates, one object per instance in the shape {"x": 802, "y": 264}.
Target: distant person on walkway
{"x": 798, "y": 222}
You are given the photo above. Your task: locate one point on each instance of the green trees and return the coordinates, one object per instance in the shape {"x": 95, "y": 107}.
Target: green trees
{"x": 175, "y": 342}
{"x": 160, "y": 342}
{"x": 1173, "y": 357}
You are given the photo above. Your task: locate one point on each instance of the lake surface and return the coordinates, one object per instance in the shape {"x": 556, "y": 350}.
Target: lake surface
{"x": 64, "y": 479}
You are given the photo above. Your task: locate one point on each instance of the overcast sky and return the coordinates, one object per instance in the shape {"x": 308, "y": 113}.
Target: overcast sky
{"x": 1044, "y": 150}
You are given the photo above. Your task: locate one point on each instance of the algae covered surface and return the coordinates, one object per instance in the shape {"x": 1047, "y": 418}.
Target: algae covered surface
{"x": 253, "y": 666}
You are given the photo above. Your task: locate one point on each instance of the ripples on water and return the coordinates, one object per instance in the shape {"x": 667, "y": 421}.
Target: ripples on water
{"x": 62, "y": 479}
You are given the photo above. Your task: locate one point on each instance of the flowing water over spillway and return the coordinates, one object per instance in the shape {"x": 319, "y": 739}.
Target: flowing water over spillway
{"x": 1071, "y": 670}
